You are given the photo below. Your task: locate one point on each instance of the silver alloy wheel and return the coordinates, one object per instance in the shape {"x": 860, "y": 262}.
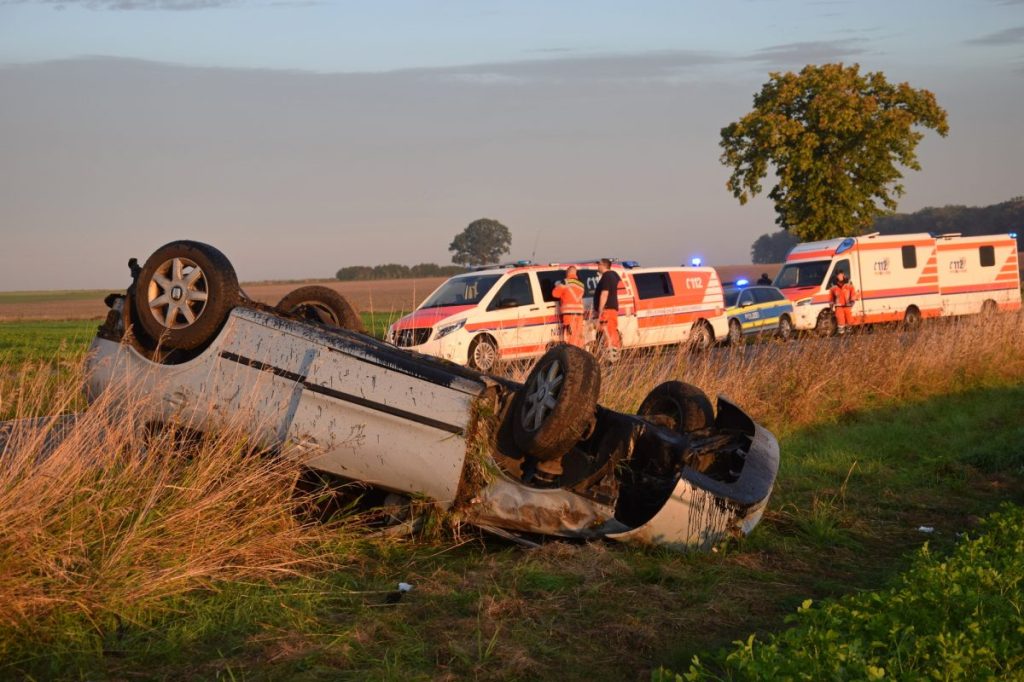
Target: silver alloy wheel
{"x": 177, "y": 293}
{"x": 542, "y": 396}
{"x": 735, "y": 332}
{"x": 484, "y": 355}
{"x": 785, "y": 329}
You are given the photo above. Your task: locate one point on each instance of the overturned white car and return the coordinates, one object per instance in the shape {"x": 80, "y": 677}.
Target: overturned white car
{"x": 540, "y": 458}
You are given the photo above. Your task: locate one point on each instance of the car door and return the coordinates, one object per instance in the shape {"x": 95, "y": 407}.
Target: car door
{"x": 515, "y": 318}
{"x": 768, "y": 303}
{"x": 749, "y": 315}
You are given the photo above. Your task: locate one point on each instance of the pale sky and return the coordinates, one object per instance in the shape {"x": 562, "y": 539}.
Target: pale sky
{"x": 299, "y": 137}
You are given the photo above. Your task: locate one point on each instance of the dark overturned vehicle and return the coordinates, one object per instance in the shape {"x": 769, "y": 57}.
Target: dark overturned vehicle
{"x": 538, "y": 458}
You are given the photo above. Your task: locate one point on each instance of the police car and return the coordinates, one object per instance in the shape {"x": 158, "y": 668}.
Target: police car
{"x": 757, "y": 310}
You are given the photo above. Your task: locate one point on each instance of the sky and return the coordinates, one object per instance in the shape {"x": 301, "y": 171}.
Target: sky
{"x": 301, "y": 136}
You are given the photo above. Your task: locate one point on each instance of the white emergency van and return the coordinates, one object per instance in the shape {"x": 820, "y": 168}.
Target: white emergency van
{"x": 903, "y": 278}
{"x": 508, "y": 312}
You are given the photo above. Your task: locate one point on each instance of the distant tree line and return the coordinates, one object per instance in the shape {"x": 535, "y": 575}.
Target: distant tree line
{"x": 396, "y": 271}
{"x": 1007, "y": 216}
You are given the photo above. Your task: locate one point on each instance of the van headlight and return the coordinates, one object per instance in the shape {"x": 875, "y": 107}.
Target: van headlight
{"x": 804, "y": 301}
{"x": 449, "y": 328}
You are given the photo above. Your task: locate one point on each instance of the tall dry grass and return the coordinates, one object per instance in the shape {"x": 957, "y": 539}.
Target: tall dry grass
{"x": 102, "y": 522}
{"x": 791, "y": 385}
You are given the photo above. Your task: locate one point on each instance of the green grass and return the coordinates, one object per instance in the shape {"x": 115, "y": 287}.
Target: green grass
{"x": 68, "y": 339}
{"x": 52, "y": 296}
{"x": 955, "y": 617}
{"x": 844, "y": 518}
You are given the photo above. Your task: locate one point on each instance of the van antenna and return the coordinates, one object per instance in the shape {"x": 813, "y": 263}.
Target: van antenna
{"x": 536, "y": 240}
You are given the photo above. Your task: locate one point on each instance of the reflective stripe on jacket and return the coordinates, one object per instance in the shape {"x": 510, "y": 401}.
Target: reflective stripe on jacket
{"x": 570, "y": 296}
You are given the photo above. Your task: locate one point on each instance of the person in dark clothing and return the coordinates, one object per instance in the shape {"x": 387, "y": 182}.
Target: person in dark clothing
{"x": 606, "y": 303}
{"x": 765, "y": 280}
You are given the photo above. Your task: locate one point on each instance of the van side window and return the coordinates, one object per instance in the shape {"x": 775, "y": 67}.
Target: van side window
{"x": 652, "y": 285}
{"x": 909, "y": 257}
{"x": 513, "y": 293}
{"x": 548, "y": 279}
{"x": 987, "y": 255}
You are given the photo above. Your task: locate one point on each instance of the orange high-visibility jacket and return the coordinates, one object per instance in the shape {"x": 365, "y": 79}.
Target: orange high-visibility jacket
{"x": 843, "y": 295}
{"x": 570, "y": 296}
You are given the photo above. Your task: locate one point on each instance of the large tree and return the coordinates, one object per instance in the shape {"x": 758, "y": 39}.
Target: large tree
{"x": 483, "y": 241}
{"x": 772, "y": 248}
{"x": 835, "y": 137}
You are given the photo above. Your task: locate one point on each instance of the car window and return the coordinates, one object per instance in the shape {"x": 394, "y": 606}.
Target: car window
{"x": 652, "y": 285}
{"x": 513, "y": 293}
{"x": 762, "y": 295}
{"x": 464, "y": 290}
{"x": 746, "y": 298}
{"x": 842, "y": 266}
{"x": 730, "y": 297}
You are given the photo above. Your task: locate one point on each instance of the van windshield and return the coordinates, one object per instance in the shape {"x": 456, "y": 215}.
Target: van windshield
{"x": 809, "y": 274}
{"x": 463, "y": 290}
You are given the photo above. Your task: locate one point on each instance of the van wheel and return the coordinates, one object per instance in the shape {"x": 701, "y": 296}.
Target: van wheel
{"x": 483, "y": 353}
{"x": 989, "y": 308}
{"x": 556, "y": 406}
{"x": 785, "y": 328}
{"x": 826, "y": 325}
{"x": 701, "y": 338}
{"x": 184, "y": 293}
{"x": 735, "y": 332}
{"x": 322, "y": 305}
{"x": 912, "y": 319}
{"x": 678, "y": 406}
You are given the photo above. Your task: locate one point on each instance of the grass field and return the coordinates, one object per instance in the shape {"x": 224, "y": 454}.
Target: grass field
{"x": 927, "y": 434}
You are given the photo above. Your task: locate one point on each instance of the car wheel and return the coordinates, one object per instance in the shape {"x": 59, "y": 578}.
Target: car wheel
{"x": 826, "y": 325}
{"x": 556, "y": 405}
{"x": 483, "y": 353}
{"x": 322, "y": 305}
{"x": 912, "y": 319}
{"x": 679, "y": 406}
{"x": 785, "y": 328}
{"x": 701, "y": 338}
{"x": 184, "y": 293}
{"x": 735, "y": 332}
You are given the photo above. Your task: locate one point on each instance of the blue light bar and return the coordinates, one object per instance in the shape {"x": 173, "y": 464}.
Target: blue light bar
{"x": 742, "y": 282}
{"x": 844, "y": 245}
{"x": 630, "y": 264}
{"x": 1013, "y": 235}
{"x": 696, "y": 261}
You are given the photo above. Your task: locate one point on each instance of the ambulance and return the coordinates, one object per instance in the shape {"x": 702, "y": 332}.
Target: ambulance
{"x": 508, "y": 312}
{"x": 903, "y": 277}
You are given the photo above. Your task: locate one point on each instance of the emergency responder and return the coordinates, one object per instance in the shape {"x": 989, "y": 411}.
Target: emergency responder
{"x": 842, "y": 296}
{"x": 569, "y": 293}
{"x": 606, "y": 303}
{"x": 765, "y": 280}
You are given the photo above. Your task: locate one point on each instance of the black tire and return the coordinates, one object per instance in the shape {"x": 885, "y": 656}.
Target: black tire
{"x": 184, "y": 293}
{"x": 826, "y": 325}
{"x": 989, "y": 308}
{"x": 678, "y": 406}
{"x": 785, "y": 332}
{"x": 483, "y": 353}
{"x": 735, "y": 332}
{"x": 701, "y": 337}
{"x": 322, "y": 305}
{"x": 556, "y": 406}
{"x": 911, "y": 319}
